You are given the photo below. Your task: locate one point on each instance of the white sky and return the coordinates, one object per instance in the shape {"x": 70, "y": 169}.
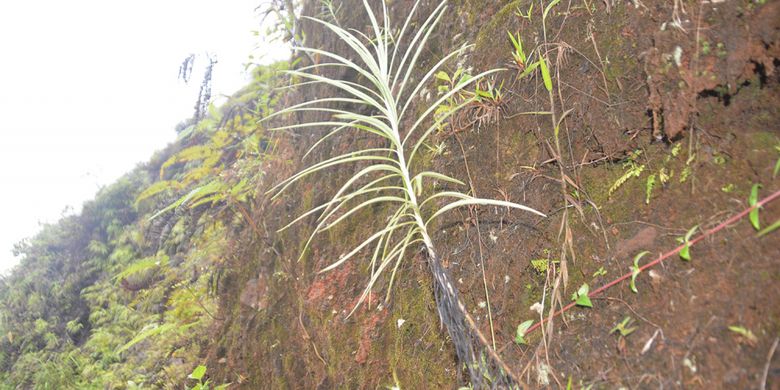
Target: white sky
{"x": 89, "y": 88}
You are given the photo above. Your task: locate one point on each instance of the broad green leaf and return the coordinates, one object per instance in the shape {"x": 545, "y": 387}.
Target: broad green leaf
{"x": 198, "y": 372}
{"x": 581, "y": 296}
{"x": 545, "y": 73}
{"x": 522, "y": 329}
{"x": 685, "y": 253}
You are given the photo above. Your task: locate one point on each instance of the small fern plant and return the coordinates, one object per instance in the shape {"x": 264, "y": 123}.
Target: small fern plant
{"x": 388, "y": 178}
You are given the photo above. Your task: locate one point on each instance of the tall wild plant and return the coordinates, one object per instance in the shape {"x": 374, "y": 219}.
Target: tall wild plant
{"x": 389, "y": 176}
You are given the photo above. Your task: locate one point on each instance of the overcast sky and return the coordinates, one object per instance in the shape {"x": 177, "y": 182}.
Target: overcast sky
{"x": 89, "y": 88}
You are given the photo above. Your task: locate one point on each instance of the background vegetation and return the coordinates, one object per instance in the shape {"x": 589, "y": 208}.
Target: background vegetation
{"x": 636, "y": 127}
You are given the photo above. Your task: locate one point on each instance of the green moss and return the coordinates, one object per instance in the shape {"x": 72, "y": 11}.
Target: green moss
{"x": 492, "y": 36}
{"x": 413, "y": 350}
{"x": 763, "y": 140}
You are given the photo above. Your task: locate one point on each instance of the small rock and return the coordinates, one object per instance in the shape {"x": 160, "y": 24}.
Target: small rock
{"x": 400, "y": 322}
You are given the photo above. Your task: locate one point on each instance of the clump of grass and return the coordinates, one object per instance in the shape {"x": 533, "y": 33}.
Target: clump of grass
{"x": 389, "y": 177}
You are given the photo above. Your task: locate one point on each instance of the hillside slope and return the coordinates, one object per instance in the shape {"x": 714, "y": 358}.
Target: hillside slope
{"x": 653, "y": 118}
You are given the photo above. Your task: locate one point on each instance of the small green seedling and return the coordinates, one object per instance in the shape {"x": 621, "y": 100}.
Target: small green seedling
{"x": 438, "y": 149}
{"x": 685, "y": 252}
{"x": 601, "y": 272}
{"x": 540, "y": 265}
{"x": 527, "y": 14}
{"x": 635, "y": 270}
{"x": 197, "y": 374}
{"x": 519, "y": 53}
{"x": 491, "y": 92}
{"x": 744, "y": 332}
{"x": 752, "y": 201}
{"x": 522, "y": 329}
{"x": 624, "y": 327}
{"x": 777, "y": 164}
{"x": 581, "y": 296}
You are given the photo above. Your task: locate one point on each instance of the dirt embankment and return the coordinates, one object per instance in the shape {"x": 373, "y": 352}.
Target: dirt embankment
{"x": 686, "y": 93}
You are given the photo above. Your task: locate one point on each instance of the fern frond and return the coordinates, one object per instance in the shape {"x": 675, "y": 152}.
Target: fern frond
{"x": 157, "y": 188}
{"x": 633, "y": 171}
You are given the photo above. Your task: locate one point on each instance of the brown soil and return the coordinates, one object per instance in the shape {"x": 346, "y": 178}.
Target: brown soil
{"x": 695, "y": 88}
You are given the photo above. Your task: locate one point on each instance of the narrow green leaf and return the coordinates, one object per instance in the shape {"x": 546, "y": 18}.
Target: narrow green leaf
{"x": 439, "y": 176}
{"x": 549, "y": 7}
{"x": 753, "y": 200}
{"x": 635, "y": 270}
{"x": 690, "y": 233}
{"x": 770, "y": 228}
{"x": 482, "y": 202}
{"x": 744, "y": 332}
{"x": 529, "y": 69}
{"x": 545, "y": 73}
{"x": 363, "y": 245}
{"x": 380, "y": 200}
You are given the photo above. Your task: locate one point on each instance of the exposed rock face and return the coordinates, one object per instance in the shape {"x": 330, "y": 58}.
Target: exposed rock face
{"x": 645, "y": 238}
{"x": 255, "y": 293}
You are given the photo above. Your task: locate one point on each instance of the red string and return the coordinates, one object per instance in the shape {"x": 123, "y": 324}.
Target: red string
{"x": 663, "y": 257}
